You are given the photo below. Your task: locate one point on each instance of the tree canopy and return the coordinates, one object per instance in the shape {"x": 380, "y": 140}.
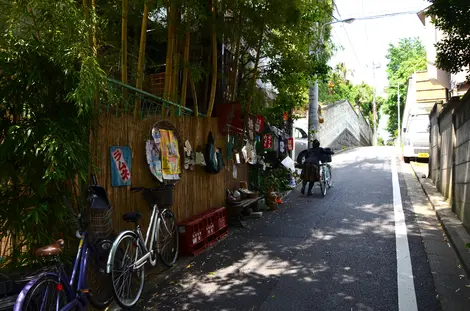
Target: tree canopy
{"x": 452, "y": 17}
{"x": 405, "y": 58}
{"x": 337, "y": 87}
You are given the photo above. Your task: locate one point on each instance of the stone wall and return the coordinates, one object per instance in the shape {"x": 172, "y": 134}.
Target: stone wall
{"x": 344, "y": 127}
{"x": 446, "y": 132}
{"x": 450, "y": 154}
{"x": 461, "y": 203}
{"x": 435, "y": 145}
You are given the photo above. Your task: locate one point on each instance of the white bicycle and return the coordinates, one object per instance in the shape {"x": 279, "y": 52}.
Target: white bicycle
{"x": 130, "y": 252}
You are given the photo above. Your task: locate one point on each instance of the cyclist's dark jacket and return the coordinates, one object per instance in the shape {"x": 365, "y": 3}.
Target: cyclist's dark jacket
{"x": 314, "y": 155}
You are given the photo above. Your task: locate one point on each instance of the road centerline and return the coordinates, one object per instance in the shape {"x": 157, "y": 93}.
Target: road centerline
{"x": 405, "y": 279}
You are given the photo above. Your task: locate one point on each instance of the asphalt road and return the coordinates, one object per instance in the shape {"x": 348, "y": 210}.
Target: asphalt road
{"x": 333, "y": 253}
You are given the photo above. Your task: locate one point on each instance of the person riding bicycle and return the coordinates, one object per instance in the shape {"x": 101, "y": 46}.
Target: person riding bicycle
{"x": 310, "y": 171}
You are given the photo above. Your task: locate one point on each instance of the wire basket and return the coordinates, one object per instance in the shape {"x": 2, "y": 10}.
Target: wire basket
{"x": 101, "y": 223}
{"x": 162, "y": 196}
{"x": 100, "y": 213}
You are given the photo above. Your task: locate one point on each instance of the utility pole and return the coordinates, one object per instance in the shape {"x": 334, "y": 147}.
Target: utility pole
{"x": 399, "y": 115}
{"x": 374, "y": 104}
{"x": 312, "y": 113}
{"x": 313, "y": 91}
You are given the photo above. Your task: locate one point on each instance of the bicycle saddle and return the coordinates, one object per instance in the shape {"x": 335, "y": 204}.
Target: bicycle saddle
{"x": 131, "y": 217}
{"x": 53, "y": 249}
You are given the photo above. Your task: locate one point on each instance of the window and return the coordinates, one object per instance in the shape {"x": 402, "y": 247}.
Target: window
{"x": 419, "y": 126}
{"x": 299, "y": 133}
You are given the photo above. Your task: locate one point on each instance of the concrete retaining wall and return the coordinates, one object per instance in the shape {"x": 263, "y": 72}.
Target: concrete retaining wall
{"x": 344, "y": 127}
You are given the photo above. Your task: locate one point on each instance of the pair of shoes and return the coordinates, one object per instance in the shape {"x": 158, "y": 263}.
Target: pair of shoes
{"x": 310, "y": 193}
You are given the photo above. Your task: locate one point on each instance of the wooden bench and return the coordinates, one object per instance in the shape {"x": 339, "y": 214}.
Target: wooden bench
{"x": 235, "y": 210}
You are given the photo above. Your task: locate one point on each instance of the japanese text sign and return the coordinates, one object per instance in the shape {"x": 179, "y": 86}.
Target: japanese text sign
{"x": 259, "y": 123}
{"x": 290, "y": 144}
{"x": 251, "y": 128}
{"x": 268, "y": 141}
{"x": 120, "y": 166}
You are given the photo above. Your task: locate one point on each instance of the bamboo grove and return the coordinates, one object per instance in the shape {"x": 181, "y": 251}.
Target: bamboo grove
{"x": 217, "y": 49}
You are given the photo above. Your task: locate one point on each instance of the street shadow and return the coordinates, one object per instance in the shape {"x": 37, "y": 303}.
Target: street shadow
{"x": 331, "y": 253}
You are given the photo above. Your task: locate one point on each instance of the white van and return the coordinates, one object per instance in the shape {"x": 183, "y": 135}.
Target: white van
{"x": 416, "y": 138}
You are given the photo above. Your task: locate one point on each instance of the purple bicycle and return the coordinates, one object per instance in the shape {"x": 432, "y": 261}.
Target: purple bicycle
{"x": 53, "y": 290}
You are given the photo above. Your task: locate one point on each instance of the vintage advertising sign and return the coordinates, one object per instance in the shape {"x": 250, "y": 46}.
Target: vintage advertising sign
{"x": 120, "y": 166}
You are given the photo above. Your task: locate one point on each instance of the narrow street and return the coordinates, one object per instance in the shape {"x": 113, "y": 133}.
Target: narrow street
{"x": 333, "y": 253}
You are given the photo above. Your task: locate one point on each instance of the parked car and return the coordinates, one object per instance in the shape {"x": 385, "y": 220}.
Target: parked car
{"x": 416, "y": 138}
{"x": 301, "y": 144}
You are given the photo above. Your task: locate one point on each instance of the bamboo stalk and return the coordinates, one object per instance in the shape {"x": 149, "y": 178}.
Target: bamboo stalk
{"x": 93, "y": 28}
{"x": 140, "y": 65}
{"x": 193, "y": 90}
{"x": 125, "y": 11}
{"x": 169, "y": 53}
{"x": 214, "y": 64}
{"x": 175, "y": 55}
{"x": 186, "y": 61}
{"x": 174, "y": 77}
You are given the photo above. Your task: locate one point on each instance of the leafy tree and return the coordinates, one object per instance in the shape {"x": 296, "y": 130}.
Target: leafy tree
{"x": 49, "y": 78}
{"x": 450, "y": 16}
{"x": 405, "y": 58}
{"x": 337, "y": 88}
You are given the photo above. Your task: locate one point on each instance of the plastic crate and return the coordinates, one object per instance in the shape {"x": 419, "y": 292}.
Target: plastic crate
{"x": 192, "y": 235}
{"x": 222, "y": 233}
{"x": 211, "y": 222}
{"x": 221, "y": 214}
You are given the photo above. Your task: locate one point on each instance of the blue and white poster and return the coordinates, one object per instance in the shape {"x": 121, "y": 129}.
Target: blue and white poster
{"x": 120, "y": 166}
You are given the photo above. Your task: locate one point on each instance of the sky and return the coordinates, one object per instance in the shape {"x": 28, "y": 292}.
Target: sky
{"x": 364, "y": 42}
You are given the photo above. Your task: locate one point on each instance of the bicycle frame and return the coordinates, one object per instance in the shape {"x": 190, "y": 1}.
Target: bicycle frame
{"x": 76, "y": 298}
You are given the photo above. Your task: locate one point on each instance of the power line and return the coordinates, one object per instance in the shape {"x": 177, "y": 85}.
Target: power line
{"x": 347, "y": 35}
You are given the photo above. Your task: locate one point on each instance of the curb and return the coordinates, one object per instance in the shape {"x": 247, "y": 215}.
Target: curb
{"x": 457, "y": 234}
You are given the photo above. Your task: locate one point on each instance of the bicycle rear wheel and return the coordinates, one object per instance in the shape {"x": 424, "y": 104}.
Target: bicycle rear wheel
{"x": 42, "y": 294}
{"x": 100, "y": 294}
{"x": 167, "y": 238}
{"x": 127, "y": 281}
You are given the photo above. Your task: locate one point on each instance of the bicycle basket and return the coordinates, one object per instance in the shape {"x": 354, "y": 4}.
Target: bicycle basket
{"x": 100, "y": 213}
{"x": 162, "y": 196}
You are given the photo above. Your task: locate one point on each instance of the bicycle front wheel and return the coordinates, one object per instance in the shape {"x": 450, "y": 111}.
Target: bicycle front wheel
{"x": 44, "y": 293}
{"x": 127, "y": 279}
{"x": 100, "y": 294}
{"x": 323, "y": 182}
{"x": 330, "y": 177}
{"x": 167, "y": 238}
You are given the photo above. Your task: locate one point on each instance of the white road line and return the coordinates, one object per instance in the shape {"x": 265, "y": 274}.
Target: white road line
{"x": 406, "y": 287}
